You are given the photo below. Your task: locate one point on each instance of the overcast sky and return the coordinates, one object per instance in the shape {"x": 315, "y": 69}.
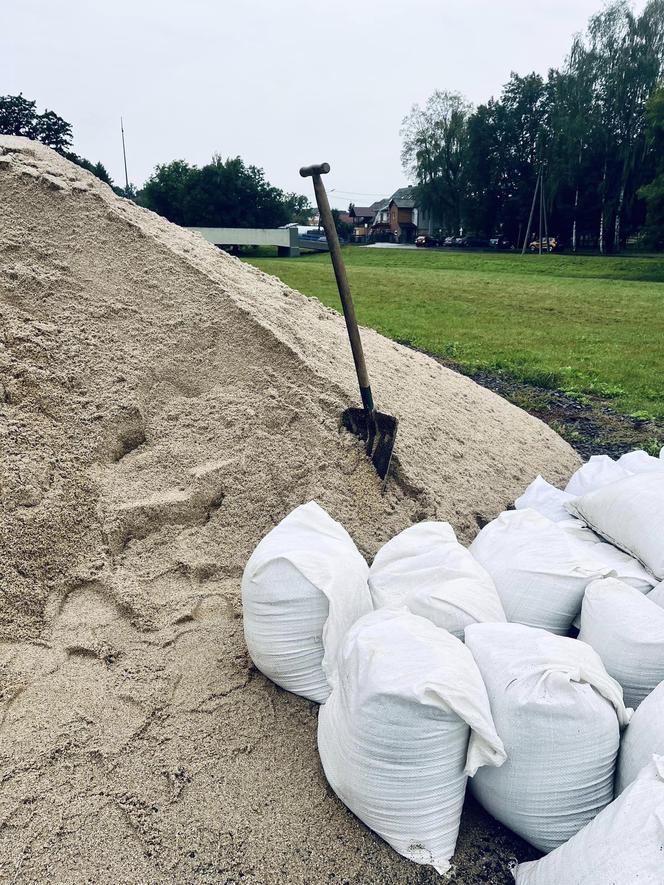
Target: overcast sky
{"x": 279, "y": 82}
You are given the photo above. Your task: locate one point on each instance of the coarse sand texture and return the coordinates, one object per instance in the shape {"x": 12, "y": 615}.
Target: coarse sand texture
{"x": 162, "y": 406}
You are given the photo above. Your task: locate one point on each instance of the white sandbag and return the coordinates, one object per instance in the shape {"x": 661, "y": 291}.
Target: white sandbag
{"x": 540, "y": 571}
{"x": 408, "y": 719}
{"x": 598, "y": 471}
{"x": 303, "y": 587}
{"x": 545, "y": 499}
{"x": 640, "y": 462}
{"x": 624, "y": 845}
{"x": 643, "y": 737}
{"x": 656, "y": 595}
{"x": 622, "y": 565}
{"x": 425, "y": 569}
{"x": 558, "y": 713}
{"x": 630, "y": 514}
{"x": 626, "y": 630}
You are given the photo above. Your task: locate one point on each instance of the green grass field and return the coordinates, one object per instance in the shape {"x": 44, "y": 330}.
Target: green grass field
{"x": 586, "y": 325}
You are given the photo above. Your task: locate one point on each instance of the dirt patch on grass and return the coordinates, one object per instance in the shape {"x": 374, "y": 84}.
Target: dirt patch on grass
{"x": 589, "y": 425}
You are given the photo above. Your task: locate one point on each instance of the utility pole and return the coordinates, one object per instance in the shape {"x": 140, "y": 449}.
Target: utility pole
{"x": 532, "y": 212}
{"x": 539, "y": 233}
{"x": 124, "y": 154}
{"x": 546, "y": 221}
{"x": 543, "y": 220}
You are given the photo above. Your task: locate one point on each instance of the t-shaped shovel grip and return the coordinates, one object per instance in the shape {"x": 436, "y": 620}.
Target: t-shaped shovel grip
{"x": 342, "y": 284}
{"x": 320, "y": 169}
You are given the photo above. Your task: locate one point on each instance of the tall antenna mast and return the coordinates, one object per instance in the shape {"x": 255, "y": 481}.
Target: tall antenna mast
{"x": 124, "y": 154}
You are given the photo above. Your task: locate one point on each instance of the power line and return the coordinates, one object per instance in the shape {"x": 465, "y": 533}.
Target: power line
{"x": 357, "y": 193}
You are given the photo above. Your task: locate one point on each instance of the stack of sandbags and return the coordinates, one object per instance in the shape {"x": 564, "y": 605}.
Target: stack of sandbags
{"x": 303, "y": 587}
{"x": 623, "y": 845}
{"x": 629, "y": 513}
{"x": 540, "y": 570}
{"x": 425, "y": 569}
{"x": 626, "y": 630}
{"x": 559, "y": 714}
{"x": 410, "y": 712}
{"x": 407, "y": 721}
{"x": 643, "y": 737}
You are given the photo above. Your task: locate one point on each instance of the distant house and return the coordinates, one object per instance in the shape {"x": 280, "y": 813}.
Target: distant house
{"x": 363, "y": 217}
{"x": 399, "y": 219}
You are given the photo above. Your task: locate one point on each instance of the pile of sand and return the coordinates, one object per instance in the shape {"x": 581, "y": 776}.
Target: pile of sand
{"x": 161, "y": 407}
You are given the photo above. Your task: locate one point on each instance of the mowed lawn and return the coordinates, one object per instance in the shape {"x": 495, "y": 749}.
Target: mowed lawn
{"x": 581, "y": 324}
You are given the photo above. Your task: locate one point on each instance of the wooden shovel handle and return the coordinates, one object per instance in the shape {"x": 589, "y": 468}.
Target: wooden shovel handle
{"x": 342, "y": 281}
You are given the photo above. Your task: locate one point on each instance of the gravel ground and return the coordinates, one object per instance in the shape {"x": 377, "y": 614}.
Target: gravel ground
{"x": 590, "y": 425}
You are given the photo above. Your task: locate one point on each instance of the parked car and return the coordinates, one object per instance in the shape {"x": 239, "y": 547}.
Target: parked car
{"x": 458, "y": 241}
{"x": 501, "y": 243}
{"x": 449, "y": 241}
{"x": 474, "y": 243}
{"x": 550, "y": 244}
{"x": 425, "y": 241}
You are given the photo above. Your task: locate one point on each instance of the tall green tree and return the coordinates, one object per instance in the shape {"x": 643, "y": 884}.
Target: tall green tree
{"x": 18, "y": 116}
{"x": 165, "y": 191}
{"x": 522, "y": 131}
{"x": 434, "y": 151}
{"x": 653, "y": 192}
{"x": 570, "y": 171}
{"x": 626, "y": 54}
{"x": 485, "y": 182}
{"x": 223, "y": 193}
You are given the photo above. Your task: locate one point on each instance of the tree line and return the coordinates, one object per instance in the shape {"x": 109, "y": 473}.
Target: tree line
{"x": 594, "y": 128}
{"x": 222, "y": 193}
{"x": 18, "y": 116}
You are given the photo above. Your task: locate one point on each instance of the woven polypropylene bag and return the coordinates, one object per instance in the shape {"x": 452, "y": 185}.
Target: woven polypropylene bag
{"x": 303, "y": 587}
{"x": 640, "y": 462}
{"x": 558, "y": 713}
{"x": 540, "y": 571}
{"x": 425, "y": 569}
{"x": 630, "y": 514}
{"x": 643, "y": 737}
{"x": 598, "y": 471}
{"x": 656, "y": 595}
{"x": 623, "y": 845}
{"x": 622, "y": 566}
{"x": 407, "y": 721}
{"x": 626, "y": 630}
{"x": 546, "y": 499}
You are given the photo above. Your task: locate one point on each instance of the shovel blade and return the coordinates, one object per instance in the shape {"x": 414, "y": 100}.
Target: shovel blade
{"x": 379, "y": 440}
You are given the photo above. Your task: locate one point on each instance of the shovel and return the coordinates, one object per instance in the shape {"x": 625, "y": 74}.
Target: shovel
{"x": 376, "y": 429}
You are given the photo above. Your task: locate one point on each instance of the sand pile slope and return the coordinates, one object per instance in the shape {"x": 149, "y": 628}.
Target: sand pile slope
{"x": 161, "y": 407}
